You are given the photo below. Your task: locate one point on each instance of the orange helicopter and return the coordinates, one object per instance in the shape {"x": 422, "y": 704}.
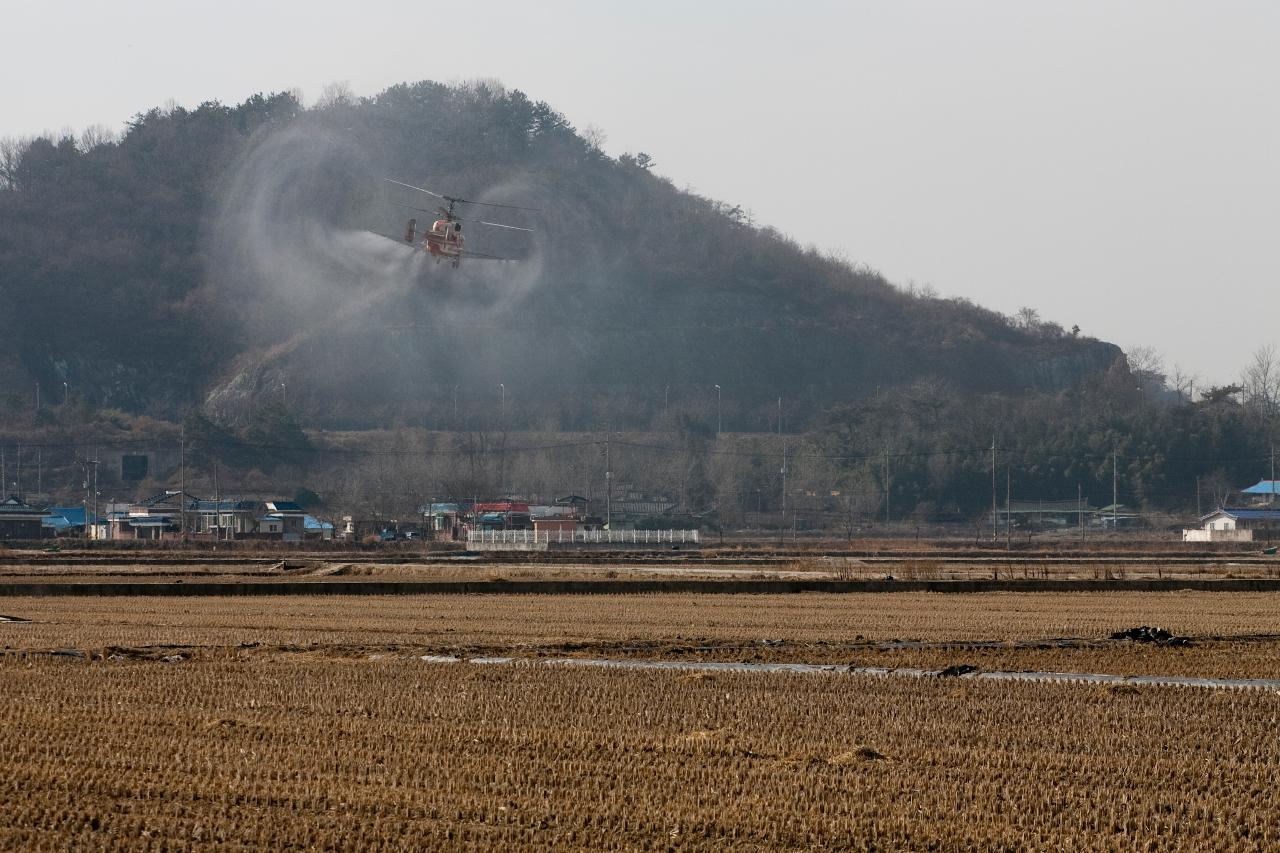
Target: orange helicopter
{"x": 443, "y": 240}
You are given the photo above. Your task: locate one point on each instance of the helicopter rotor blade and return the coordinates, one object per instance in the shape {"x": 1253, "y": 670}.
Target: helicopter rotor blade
{"x": 419, "y": 189}
{"x": 494, "y": 204}
{"x": 500, "y": 225}
{"x": 480, "y": 256}
{"x": 478, "y": 221}
{"x": 456, "y": 200}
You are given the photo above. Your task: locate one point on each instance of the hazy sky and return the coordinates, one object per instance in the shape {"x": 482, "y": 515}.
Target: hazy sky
{"x": 1112, "y": 164}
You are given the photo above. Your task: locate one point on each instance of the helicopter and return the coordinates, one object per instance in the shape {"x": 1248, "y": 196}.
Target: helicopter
{"x": 443, "y": 240}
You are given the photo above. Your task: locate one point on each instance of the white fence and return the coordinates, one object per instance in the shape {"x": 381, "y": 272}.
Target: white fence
{"x": 1202, "y": 534}
{"x": 584, "y": 537}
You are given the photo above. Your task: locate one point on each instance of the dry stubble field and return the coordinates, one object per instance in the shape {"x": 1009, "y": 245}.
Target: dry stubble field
{"x": 313, "y": 723}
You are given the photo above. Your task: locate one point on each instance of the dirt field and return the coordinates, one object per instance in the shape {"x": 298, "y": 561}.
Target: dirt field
{"x": 395, "y": 754}
{"x": 211, "y": 566}
{"x": 511, "y": 620}
{"x": 314, "y": 722}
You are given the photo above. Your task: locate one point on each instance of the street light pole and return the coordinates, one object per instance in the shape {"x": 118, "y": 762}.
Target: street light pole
{"x": 66, "y": 393}
{"x": 503, "y": 389}
{"x": 719, "y": 421}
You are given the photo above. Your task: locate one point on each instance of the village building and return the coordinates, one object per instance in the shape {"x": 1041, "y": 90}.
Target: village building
{"x": 630, "y": 505}
{"x": 442, "y": 521}
{"x": 1262, "y": 493}
{"x": 1117, "y": 517}
{"x": 1235, "y": 524}
{"x": 555, "y": 517}
{"x": 19, "y": 520}
{"x": 172, "y": 515}
{"x": 222, "y": 520}
{"x": 314, "y": 528}
{"x": 501, "y": 515}
{"x": 1044, "y": 514}
{"x": 286, "y": 521}
{"x": 150, "y": 519}
{"x": 65, "y": 521}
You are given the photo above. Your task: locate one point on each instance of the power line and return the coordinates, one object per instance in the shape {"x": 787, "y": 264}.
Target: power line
{"x": 1018, "y": 454}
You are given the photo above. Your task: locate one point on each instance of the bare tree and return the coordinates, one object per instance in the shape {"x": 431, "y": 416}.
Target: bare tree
{"x": 1027, "y": 318}
{"x": 1146, "y": 365}
{"x": 1261, "y": 382}
{"x": 95, "y": 135}
{"x": 12, "y": 150}
{"x": 335, "y": 94}
{"x": 594, "y": 137}
{"x": 482, "y": 87}
{"x": 1218, "y": 486}
{"x": 1183, "y": 383}
{"x": 926, "y": 290}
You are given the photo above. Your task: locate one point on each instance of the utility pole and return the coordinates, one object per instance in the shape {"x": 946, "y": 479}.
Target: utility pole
{"x": 1198, "y": 512}
{"x": 995, "y": 515}
{"x": 39, "y": 470}
{"x": 888, "y": 486}
{"x": 217, "y": 505}
{"x": 719, "y": 421}
{"x": 37, "y": 398}
{"x": 608, "y": 483}
{"x": 4, "y": 474}
{"x": 1080, "y": 510}
{"x": 182, "y": 479}
{"x": 502, "y": 449}
{"x": 95, "y": 486}
{"x": 1008, "y": 519}
{"x": 18, "y": 477}
{"x": 782, "y": 441}
{"x": 87, "y": 520}
{"x": 1115, "y": 490}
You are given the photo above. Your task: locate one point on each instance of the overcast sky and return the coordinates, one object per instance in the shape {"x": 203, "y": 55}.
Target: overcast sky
{"x": 1112, "y": 164}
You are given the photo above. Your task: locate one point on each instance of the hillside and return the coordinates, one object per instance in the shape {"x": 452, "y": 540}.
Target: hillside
{"x": 226, "y": 257}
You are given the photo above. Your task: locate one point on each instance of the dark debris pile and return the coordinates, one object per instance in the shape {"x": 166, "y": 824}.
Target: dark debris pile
{"x": 1149, "y": 634}
{"x": 956, "y": 670}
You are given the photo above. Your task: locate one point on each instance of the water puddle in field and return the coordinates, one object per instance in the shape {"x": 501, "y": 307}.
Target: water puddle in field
{"x": 960, "y": 672}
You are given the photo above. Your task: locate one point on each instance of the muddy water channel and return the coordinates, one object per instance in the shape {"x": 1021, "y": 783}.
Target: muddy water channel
{"x": 960, "y": 672}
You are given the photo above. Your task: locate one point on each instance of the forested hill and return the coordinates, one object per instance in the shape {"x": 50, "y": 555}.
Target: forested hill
{"x": 222, "y": 255}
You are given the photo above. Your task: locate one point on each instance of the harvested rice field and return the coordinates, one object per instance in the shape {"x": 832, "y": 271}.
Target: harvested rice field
{"x": 332, "y": 722}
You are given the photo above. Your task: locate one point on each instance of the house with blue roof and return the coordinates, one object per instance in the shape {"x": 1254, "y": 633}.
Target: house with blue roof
{"x": 315, "y": 528}
{"x": 1264, "y": 491}
{"x": 1235, "y": 524}
{"x": 285, "y": 519}
{"x": 65, "y": 520}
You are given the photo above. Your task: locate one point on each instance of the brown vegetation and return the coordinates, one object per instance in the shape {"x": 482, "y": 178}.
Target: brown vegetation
{"x": 813, "y": 628}
{"x": 388, "y": 753}
{"x": 316, "y": 722}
